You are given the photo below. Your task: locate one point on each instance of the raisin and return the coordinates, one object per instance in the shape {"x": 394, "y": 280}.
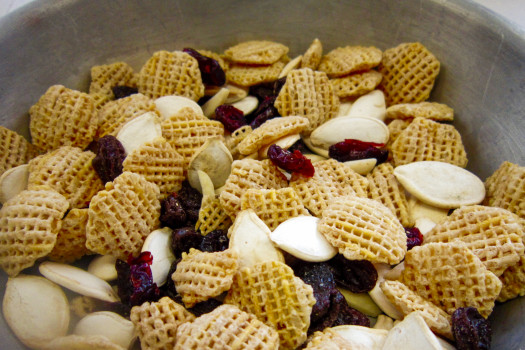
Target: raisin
{"x": 215, "y": 241}
{"x": 172, "y": 213}
{"x": 351, "y": 149}
{"x": 109, "y": 157}
{"x": 135, "y": 280}
{"x": 183, "y": 239}
{"x": 414, "y": 237}
{"x": 204, "y": 307}
{"x": 264, "y": 112}
{"x": 211, "y": 71}
{"x": 471, "y": 331}
{"x": 191, "y": 200}
{"x": 121, "y": 91}
{"x": 321, "y": 278}
{"x": 358, "y": 276}
{"x": 231, "y": 117}
{"x": 339, "y": 313}
{"x": 293, "y": 162}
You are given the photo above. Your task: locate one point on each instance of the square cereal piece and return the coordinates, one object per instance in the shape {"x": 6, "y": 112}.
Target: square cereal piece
{"x": 256, "y": 52}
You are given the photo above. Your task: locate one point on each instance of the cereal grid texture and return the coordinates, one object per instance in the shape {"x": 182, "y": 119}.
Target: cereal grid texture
{"x": 513, "y": 280}
{"x": 429, "y": 110}
{"x": 450, "y": 276}
{"x": 247, "y": 174}
{"x": 357, "y": 84}
{"x": 157, "y": 323}
{"x": 202, "y": 275}
{"x": 71, "y": 240}
{"x": 331, "y": 179}
{"x": 68, "y": 171}
{"x": 273, "y": 207}
{"x": 407, "y": 301}
{"x": 425, "y": 140}
{"x": 363, "y": 229}
{"x": 63, "y": 117}
{"x": 249, "y": 75}
{"x": 409, "y": 71}
{"x": 29, "y": 225}
{"x": 256, "y": 52}
{"x": 271, "y": 292}
{"x": 122, "y": 216}
{"x": 14, "y": 150}
{"x": 171, "y": 73}
{"x": 345, "y": 60}
{"x": 384, "y": 187}
{"x": 309, "y": 94}
{"x": 212, "y": 216}
{"x": 312, "y": 56}
{"x": 328, "y": 340}
{"x": 232, "y": 140}
{"x": 159, "y": 163}
{"x": 114, "y": 114}
{"x": 228, "y": 328}
{"x": 107, "y": 76}
{"x": 492, "y": 234}
{"x": 270, "y": 131}
{"x": 505, "y": 188}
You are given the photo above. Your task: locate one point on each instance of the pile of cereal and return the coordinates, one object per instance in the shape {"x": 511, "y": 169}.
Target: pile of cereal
{"x": 248, "y": 200}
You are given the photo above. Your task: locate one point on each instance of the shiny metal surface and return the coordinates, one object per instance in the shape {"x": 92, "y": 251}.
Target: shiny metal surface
{"x": 482, "y": 57}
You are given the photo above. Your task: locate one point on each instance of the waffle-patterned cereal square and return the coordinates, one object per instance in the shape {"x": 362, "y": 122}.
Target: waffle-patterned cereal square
{"x": 203, "y": 275}
{"x": 107, "y": 76}
{"x": 63, "y": 117}
{"x": 71, "y": 240}
{"x": 14, "y": 150}
{"x": 429, "y": 110}
{"x": 312, "y": 56}
{"x": 212, "y": 216}
{"x": 513, "y": 280}
{"x": 232, "y": 140}
{"x": 355, "y": 85}
{"x": 171, "y": 73}
{"x": 256, "y": 52}
{"x": 249, "y": 75}
{"x": 349, "y": 59}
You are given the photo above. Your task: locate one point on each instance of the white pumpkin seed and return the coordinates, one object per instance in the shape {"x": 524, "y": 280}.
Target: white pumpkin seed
{"x": 137, "y": 131}
{"x": 214, "y": 159}
{"x": 371, "y": 105}
{"x": 158, "y": 243}
{"x": 218, "y": 99}
{"x": 103, "y": 266}
{"x": 247, "y": 104}
{"x": 111, "y": 325}
{"x": 362, "y": 166}
{"x": 172, "y": 104}
{"x": 13, "y": 181}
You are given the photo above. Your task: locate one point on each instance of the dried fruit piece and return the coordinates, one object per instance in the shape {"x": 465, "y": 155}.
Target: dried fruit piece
{"x": 351, "y": 149}
{"x": 414, "y": 237}
{"x": 471, "y": 330}
{"x": 172, "y": 213}
{"x": 135, "y": 280}
{"x": 121, "y": 91}
{"x": 231, "y": 117}
{"x": 359, "y": 276}
{"x": 109, "y": 158}
{"x": 183, "y": 239}
{"x": 264, "y": 112}
{"x": 215, "y": 241}
{"x": 211, "y": 71}
{"x": 293, "y": 162}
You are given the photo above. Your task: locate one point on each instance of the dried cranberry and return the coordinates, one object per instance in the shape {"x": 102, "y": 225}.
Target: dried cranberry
{"x": 211, "y": 71}
{"x": 135, "y": 280}
{"x": 168, "y": 289}
{"x": 351, "y": 149}
{"x": 359, "y": 276}
{"x": 340, "y": 313}
{"x": 121, "y": 91}
{"x": 262, "y": 91}
{"x": 109, "y": 157}
{"x": 321, "y": 278}
{"x": 183, "y": 239}
{"x": 471, "y": 331}
{"x": 172, "y": 213}
{"x": 191, "y": 200}
{"x": 293, "y": 162}
{"x": 231, "y": 117}
{"x": 278, "y": 84}
{"x": 215, "y": 241}
{"x": 205, "y": 307}
{"x": 414, "y": 237}
{"x": 300, "y": 146}
{"x": 263, "y": 113}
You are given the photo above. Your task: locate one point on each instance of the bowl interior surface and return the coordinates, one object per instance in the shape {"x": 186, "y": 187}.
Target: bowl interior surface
{"x": 482, "y": 63}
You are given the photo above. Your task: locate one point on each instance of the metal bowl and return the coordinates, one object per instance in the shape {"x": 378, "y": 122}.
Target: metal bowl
{"x": 482, "y": 57}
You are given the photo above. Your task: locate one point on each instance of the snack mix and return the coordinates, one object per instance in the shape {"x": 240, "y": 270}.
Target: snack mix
{"x": 167, "y": 182}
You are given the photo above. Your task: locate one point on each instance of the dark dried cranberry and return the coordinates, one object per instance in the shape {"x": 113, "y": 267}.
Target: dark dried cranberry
{"x": 321, "y": 278}
{"x": 264, "y": 112}
{"x": 211, "y": 71}
{"x": 168, "y": 289}
{"x": 231, "y": 117}
{"x": 172, "y": 213}
{"x": 293, "y": 162}
{"x": 277, "y": 86}
{"x": 351, "y": 149}
{"x": 135, "y": 280}
{"x": 108, "y": 160}
{"x": 340, "y": 313}
{"x": 471, "y": 331}
{"x": 205, "y": 307}
{"x": 358, "y": 276}
{"x": 183, "y": 239}
{"x": 215, "y": 241}
{"x": 204, "y": 99}
{"x": 121, "y": 91}
{"x": 299, "y": 146}
{"x": 414, "y": 237}
{"x": 262, "y": 91}
{"x": 191, "y": 200}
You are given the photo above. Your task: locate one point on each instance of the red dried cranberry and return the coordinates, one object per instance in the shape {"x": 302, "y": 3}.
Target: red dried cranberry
{"x": 471, "y": 331}
{"x": 183, "y": 239}
{"x": 211, "y": 71}
{"x": 351, "y": 149}
{"x": 414, "y": 237}
{"x": 109, "y": 157}
{"x": 121, "y": 91}
{"x": 292, "y": 162}
{"x": 321, "y": 278}
{"x": 358, "y": 276}
{"x": 135, "y": 280}
{"x": 215, "y": 241}
{"x": 172, "y": 213}
{"x": 231, "y": 117}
